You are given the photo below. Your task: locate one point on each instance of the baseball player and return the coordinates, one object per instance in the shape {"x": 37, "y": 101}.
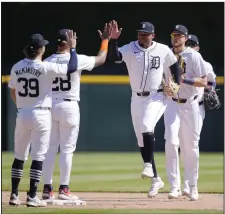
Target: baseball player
{"x": 30, "y": 86}
{"x": 193, "y": 43}
{"x": 181, "y": 116}
{"x": 145, "y": 60}
{"x": 66, "y": 113}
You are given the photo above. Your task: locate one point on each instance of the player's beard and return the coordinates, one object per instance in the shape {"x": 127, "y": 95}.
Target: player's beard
{"x": 145, "y": 44}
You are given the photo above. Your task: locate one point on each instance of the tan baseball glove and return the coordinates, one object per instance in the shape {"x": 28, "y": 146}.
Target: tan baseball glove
{"x": 171, "y": 88}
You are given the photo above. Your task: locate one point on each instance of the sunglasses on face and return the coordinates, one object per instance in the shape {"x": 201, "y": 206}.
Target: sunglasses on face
{"x": 176, "y": 35}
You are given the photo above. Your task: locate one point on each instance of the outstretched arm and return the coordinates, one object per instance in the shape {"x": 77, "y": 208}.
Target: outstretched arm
{"x": 105, "y": 36}
{"x": 114, "y": 54}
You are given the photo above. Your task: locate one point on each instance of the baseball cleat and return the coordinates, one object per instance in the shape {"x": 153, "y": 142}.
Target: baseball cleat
{"x": 14, "y": 200}
{"x": 186, "y": 192}
{"x": 64, "y": 194}
{"x": 48, "y": 194}
{"x": 193, "y": 193}
{"x": 157, "y": 184}
{"x": 174, "y": 193}
{"x": 35, "y": 202}
{"x": 147, "y": 171}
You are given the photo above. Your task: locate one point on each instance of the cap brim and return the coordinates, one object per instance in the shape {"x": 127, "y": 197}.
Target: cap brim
{"x": 145, "y": 31}
{"x": 46, "y": 42}
{"x": 177, "y": 31}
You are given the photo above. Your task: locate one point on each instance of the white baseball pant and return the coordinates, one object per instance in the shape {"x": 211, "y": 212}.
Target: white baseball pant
{"x": 33, "y": 127}
{"x": 146, "y": 112}
{"x": 182, "y": 129}
{"x": 201, "y": 120}
{"x": 64, "y": 134}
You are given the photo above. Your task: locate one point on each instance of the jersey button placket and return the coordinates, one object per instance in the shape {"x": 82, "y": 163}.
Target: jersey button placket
{"x": 145, "y": 71}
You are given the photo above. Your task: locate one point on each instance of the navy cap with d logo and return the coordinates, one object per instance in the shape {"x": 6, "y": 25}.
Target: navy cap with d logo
{"x": 180, "y": 29}
{"x": 146, "y": 27}
{"x": 61, "y": 37}
{"x": 193, "y": 38}
{"x": 37, "y": 41}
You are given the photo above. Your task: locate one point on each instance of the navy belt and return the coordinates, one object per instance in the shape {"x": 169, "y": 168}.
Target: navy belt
{"x": 147, "y": 93}
{"x": 182, "y": 100}
{"x": 69, "y": 100}
{"x": 44, "y": 108}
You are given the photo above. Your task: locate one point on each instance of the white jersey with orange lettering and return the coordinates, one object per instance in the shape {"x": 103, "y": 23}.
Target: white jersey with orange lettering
{"x": 65, "y": 117}
{"x": 31, "y": 80}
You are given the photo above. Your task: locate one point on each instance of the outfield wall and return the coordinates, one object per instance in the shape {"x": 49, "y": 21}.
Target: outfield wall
{"x": 105, "y": 118}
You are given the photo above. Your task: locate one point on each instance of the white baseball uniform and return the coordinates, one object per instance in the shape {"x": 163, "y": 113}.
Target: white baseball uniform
{"x": 145, "y": 68}
{"x": 65, "y": 117}
{"x": 32, "y": 80}
{"x": 211, "y": 77}
{"x": 182, "y": 123}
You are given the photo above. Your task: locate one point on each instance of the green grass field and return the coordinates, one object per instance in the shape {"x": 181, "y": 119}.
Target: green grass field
{"x": 118, "y": 172}
{"x": 115, "y": 172}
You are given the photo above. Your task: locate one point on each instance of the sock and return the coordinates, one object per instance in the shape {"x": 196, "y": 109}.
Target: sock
{"x": 154, "y": 168}
{"x": 16, "y": 174}
{"x": 142, "y": 150}
{"x": 48, "y": 187}
{"x": 63, "y": 186}
{"x": 35, "y": 175}
{"x": 149, "y": 140}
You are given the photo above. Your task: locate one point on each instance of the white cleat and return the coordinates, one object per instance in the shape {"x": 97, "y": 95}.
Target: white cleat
{"x": 64, "y": 194}
{"x": 35, "y": 202}
{"x": 174, "y": 193}
{"x": 193, "y": 193}
{"x": 186, "y": 192}
{"x": 157, "y": 184}
{"x": 147, "y": 171}
{"x": 14, "y": 200}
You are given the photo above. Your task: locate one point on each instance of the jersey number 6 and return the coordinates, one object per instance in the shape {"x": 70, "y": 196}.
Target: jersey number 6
{"x": 64, "y": 84}
{"x": 29, "y": 85}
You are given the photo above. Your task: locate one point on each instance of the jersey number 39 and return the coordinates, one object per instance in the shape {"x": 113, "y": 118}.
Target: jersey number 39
{"x": 63, "y": 84}
{"x": 30, "y": 87}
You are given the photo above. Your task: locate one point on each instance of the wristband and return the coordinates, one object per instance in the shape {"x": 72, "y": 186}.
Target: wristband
{"x": 104, "y": 45}
{"x": 189, "y": 81}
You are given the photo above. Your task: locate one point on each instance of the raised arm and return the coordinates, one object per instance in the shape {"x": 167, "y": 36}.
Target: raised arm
{"x": 57, "y": 69}
{"x": 71, "y": 39}
{"x": 105, "y": 36}
{"x": 113, "y": 53}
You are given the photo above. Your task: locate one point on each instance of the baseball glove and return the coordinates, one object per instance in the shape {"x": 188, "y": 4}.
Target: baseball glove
{"x": 171, "y": 88}
{"x": 211, "y": 99}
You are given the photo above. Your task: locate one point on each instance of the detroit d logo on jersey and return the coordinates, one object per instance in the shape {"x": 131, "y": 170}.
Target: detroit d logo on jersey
{"x": 155, "y": 62}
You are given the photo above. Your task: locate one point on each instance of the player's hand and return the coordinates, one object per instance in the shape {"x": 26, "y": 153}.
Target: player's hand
{"x": 71, "y": 39}
{"x": 115, "y": 31}
{"x": 107, "y": 32}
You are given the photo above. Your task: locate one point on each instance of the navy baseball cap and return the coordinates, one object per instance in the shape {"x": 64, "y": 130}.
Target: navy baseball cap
{"x": 146, "y": 27}
{"x": 193, "y": 38}
{"x": 62, "y": 35}
{"x": 37, "y": 41}
{"x": 180, "y": 29}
